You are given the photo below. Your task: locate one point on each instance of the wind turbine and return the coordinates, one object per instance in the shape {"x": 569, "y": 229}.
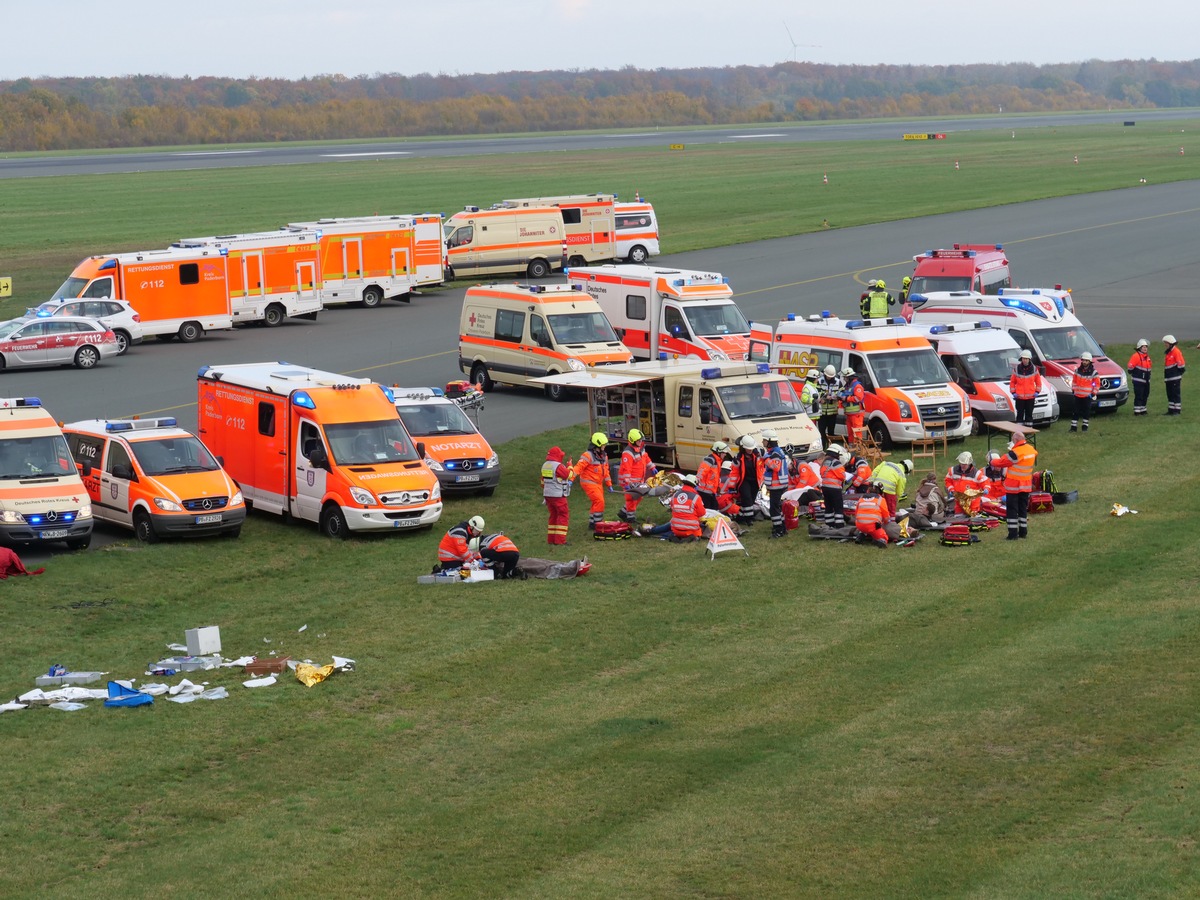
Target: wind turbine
{"x": 793, "y": 40}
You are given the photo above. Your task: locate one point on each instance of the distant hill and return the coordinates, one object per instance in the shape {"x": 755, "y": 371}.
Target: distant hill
{"x": 149, "y": 110}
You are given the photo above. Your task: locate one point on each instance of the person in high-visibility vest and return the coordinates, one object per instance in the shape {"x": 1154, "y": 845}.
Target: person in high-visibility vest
{"x": 1025, "y": 384}
{"x": 1139, "y": 368}
{"x": 810, "y": 398}
{"x": 636, "y": 467}
{"x": 499, "y": 553}
{"x": 594, "y": 476}
{"x": 870, "y": 514}
{"x": 864, "y": 299}
{"x": 775, "y": 478}
{"x": 858, "y": 471}
{"x": 708, "y": 474}
{"x": 833, "y": 477}
{"x": 878, "y": 301}
{"x": 556, "y": 488}
{"x": 687, "y": 511}
{"x": 893, "y": 479}
{"x": 1173, "y": 369}
{"x": 853, "y": 397}
{"x": 745, "y": 476}
{"x": 964, "y": 476}
{"x": 1018, "y": 464}
{"x": 830, "y": 385}
{"x": 1085, "y": 388}
{"x": 454, "y": 550}
{"x": 995, "y": 477}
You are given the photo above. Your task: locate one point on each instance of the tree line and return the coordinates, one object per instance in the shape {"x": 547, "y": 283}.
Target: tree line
{"x": 149, "y": 110}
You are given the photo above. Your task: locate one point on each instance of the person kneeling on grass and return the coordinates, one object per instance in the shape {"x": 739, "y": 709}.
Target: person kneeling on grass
{"x": 500, "y": 554}
{"x": 687, "y": 511}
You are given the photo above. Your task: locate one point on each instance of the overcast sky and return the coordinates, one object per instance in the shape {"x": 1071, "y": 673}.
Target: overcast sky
{"x": 298, "y": 38}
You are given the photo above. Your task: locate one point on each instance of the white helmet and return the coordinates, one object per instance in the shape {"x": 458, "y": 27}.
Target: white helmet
{"x": 1169, "y": 339}
{"x": 872, "y": 283}
{"x": 475, "y": 524}
{"x": 1142, "y": 342}
{"x": 844, "y": 457}
{"x": 747, "y": 442}
{"x": 908, "y": 465}
{"x": 830, "y": 371}
{"x": 689, "y": 479}
{"x": 769, "y": 434}
{"x": 835, "y": 450}
{"x": 993, "y": 454}
{"x": 847, "y": 372}
{"x": 720, "y": 447}
{"x": 965, "y": 458}
{"x": 474, "y": 545}
{"x": 1085, "y": 356}
{"x": 1026, "y": 354}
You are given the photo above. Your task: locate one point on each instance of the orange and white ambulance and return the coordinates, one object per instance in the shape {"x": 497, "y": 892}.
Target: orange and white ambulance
{"x": 657, "y": 310}
{"x": 963, "y": 267}
{"x": 369, "y": 259}
{"x": 41, "y": 496}
{"x": 525, "y": 241}
{"x": 510, "y": 333}
{"x": 316, "y": 446}
{"x": 177, "y": 292}
{"x": 637, "y": 231}
{"x": 909, "y": 393}
{"x": 589, "y": 224}
{"x": 154, "y": 477}
{"x": 455, "y": 450}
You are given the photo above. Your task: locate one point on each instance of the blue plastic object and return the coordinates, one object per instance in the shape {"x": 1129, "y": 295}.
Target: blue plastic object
{"x": 119, "y": 695}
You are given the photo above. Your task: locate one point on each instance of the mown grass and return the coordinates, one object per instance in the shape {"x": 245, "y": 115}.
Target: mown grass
{"x": 817, "y": 719}
{"x": 706, "y": 195}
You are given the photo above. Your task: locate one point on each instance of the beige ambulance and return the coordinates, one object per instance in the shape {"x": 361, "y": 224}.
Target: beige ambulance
{"x": 522, "y": 241}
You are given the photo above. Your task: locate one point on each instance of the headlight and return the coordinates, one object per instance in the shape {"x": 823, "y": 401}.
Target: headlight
{"x": 576, "y": 365}
{"x": 85, "y": 512}
{"x": 493, "y": 461}
{"x": 362, "y": 496}
{"x": 167, "y": 505}
{"x": 718, "y": 355}
{"x": 11, "y": 517}
{"x": 236, "y": 498}
{"x": 433, "y": 464}
{"x": 905, "y": 409}
{"x": 437, "y": 490}
{"x": 1001, "y": 402}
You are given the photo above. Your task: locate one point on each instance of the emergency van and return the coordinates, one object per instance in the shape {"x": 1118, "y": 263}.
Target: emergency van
{"x": 909, "y": 393}
{"x": 269, "y": 275}
{"x": 511, "y": 333}
{"x": 1040, "y": 321}
{"x": 316, "y": 446}
{"x": 455, "y": 451}
{"x": 525, "y": 241}
{"x": 369, "y": 259}
{"x": 683, "y": 406}
{"x": 980, "y": 358}
{"x": 679, "y": 312}
{"x": 589, "y": 224}
{"x": 637, "y": 231}
{"x": 41, "y": 495}
{"x": 963, "y": 267}
{"x": 177, "y": 292}
{"x": 154, "y": 477}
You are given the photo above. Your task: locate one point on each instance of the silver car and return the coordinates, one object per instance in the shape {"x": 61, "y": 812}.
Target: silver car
{"x": 55, "y": 341}
{"x": 118, "y": 315}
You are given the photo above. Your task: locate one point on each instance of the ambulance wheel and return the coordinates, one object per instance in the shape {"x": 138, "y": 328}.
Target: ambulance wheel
{"x": 1, "y": 362}
{"x": 557, "y": 392}
{"x": 79, "y": 543}
{"x": 976, "y": 426}
{"x": 143, "y": 528}
{"x": 333, "y": 523}
{"x": 480, "y": 377}
{"x": 576, "y": 262}
{"x": 638, "y": 254}
{"x": 372, "y": 297}
{"x": 880, "y": 433}
{"x": 86, "y": 357}
{"x": 538, "y": 268}
{"x": 122, "y": 342}
{"x": 274, "y": 315}
{"x": 190, "y": 332}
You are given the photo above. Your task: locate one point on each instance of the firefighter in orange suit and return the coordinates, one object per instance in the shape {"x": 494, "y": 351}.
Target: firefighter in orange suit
{"x": 556, "y": 487}
{"x": 594, "y": 476}
{"x": 963, "y": 476}
{"x": 455, "y": 551}
{"x": 687, "y": 511}
{"x": 708, "y": 474}
{"x": 1018, "y": 464}
{"x": 1173, "y": 369}
{"x": 1085, "y": 387}
{"x": 870, "y": 514}
{"x": 1139, "y": 368}
{"x": 1025, "y": 384}
{"x": 636, "y": 467}
{"x": 833, "y": 477}
{"x": 853, "y": 397}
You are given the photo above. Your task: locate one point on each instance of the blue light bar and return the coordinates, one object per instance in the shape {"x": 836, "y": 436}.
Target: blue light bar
{"x": 44, "y": 313}
{"x": 791, "y": 317}
{"x": 303, "y": 400}
{"x": 857, "y": 323}
{"x": 118, "y": 426}
{"x": 986, "y": 324}
{"x": 713, "y": 372}
{"x": 938, "y": 329}
{"x": 108, "y": 264}
{"x": 662, "y": 354}
{"x": 27, "y": 401}
{"x": 389, "y": 393}
{"x": 764, "y": 368}
{"x": 826, "y": 314}
{"x": 1024, "y": 306}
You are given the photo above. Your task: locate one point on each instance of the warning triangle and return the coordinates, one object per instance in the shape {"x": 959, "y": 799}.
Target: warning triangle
{"x": 723, "y": 539}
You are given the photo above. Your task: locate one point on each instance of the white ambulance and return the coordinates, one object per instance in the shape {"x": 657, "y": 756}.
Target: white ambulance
{"x": 637, "y": 231}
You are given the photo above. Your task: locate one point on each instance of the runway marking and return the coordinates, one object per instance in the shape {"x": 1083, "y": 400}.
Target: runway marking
{"x": 370, "y": 153}
{"x": 214, "y": 152}
{"x": 750, "y": 137}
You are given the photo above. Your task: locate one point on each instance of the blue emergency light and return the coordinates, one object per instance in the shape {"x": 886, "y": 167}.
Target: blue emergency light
{"x": 118, "y": 426}
{"x": 713, "y": 372}
{"x": 38, "y": 519}
{"x": 24, "y": 401}
{"x": 303, "y": 400}
{"x": 662, "y": 354}
{"x": 44, "y": 313}
{"x": 389, "y": 393}
{"x": 791, "y": 317}
{"x": 764, "y": 368}
{"x": 826, "y": 314}
{"x": 108, "y": 264}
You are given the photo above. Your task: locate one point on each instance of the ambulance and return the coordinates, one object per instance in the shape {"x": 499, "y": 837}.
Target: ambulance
{"x": 589, "y": 224}
{"x": 1040, "y": 321}
{"x": 512, "y": 333}
{"x": 909, "y": 393}
{"x": 684, "y": 406}
{"x": 177, "y": 292}
{"x": 316, "y": 446}
{"x": 525, "y": 241}
{"x": 455, "y": 450}
{"x": 42, "y": 498}
{"x": 154, "y": 477}
{"x": 637, "y": 231}
{"x": 963, "y": 267}
{"x": 980, "y": 358}
{"x": 369, "y": 259}
{"x": 679, "y": 312}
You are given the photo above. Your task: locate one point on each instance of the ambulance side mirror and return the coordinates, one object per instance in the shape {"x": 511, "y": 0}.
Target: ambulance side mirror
{"x": 124, "y": 472}
{"x": 318, "y": 458}
{"x": 421, "y": 449}
{"x": 85, "y": 468}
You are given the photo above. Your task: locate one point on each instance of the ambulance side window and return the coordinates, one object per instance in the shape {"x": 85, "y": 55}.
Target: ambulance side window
{"x": 86, "y": 449}
{"x": 635, "y": 307}
{"x": 1023, "y": 341}
{"x": 510, "y": 326}
{"x": 859, "y": 365}
{"x": 710, "y": 412}
{"x": 685, "y": 402}
{"x": 537, "y": 331}
{"x": 117, "y": 464}
{"x": 462, "y": 236}
{"x": 310, "y": 439}
{"x": 101, "y": 287}
{"x": 672, "y": 320}
{"x": 189, "y": 273}
{"x": 572, "y": 216}
{"x": 266, "y": 419}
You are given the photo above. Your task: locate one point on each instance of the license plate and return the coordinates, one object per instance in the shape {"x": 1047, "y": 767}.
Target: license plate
{"x": 463, "y": 479}
{"x": 1108, "y": 402}
{"x": 208, "y": 520}
{"x": 405, "y": 523}
{"x": 53, "y": 534}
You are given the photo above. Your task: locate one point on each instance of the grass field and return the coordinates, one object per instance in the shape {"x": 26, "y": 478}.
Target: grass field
{"x": 1002, "y": 720}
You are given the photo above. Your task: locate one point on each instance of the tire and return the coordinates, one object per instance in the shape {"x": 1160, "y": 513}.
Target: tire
{"x": 538, "y": 268}
{"x": 480, "y": 377}
{"x": 123, "y": 342}
{"x": 86, "y": 357}
{"x": 638, "y": 254}
{"x": 79, "y": 543}
{"x": 557, "y": 392}
{"x": 143, "y": 527}
{"x": 274, "y": 315}
{"x": 333, "y": 523}
{"x": 576, "y": 262}
{"x": 976, "y": 425}
{"x": 190, "y": 332}
{"x": 1, "y": 363}
{"x": 372, "y": 297}
{"x": 880, "y": 433}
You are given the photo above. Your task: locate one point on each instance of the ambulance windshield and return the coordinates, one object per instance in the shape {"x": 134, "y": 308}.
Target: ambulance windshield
{"x": 908, "y": 368}
{"x": 582, "y": 328}
{"x": 173, "y": 456}
{"x": 69, "y": 289}
{"x": 1067, "y": 342}
{"x": 425, "y": 419}
{"x": 762, "y": 400}
{"x": 928, "y": 284}
{"x": 716, "y": 321}
{"x": 369, "y": 443}
{"x": 31, "y": 457}
{"x": 990, "y": 365}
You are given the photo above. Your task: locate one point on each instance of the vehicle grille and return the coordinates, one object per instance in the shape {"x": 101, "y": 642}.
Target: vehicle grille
{"x": 52, "y": 518}
{"x": 465, "y": 465}
{"x": 404, "y": 498}
{"x": 203, "y": 504}
{"x": 941, "y": 415}
{"x": 1108, "y": 384}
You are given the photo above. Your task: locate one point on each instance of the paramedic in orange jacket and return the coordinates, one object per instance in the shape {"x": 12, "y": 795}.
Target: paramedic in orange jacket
{"x": 870, "y": 514}
{"x": 708, "y": 474}
{"x": 833, "y": 477}
{"x": 1173, "y": 369}
{"x": 500, "y": 554}
{"x": 455, "y": 551}
{"x": 1018, "y": 464}
{"x": 556, "y": 488}
{"x": 1085, "y": 388}
{"x": 594, "y": 476}
{"x": 636, "y": 467}
{"x": 853, "y": 397}
{"x": 1139, "y": 368}
{"x": 1025, "y": 384}
{"x": 687, "y": 511}
{"x": 963, "y": 476}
